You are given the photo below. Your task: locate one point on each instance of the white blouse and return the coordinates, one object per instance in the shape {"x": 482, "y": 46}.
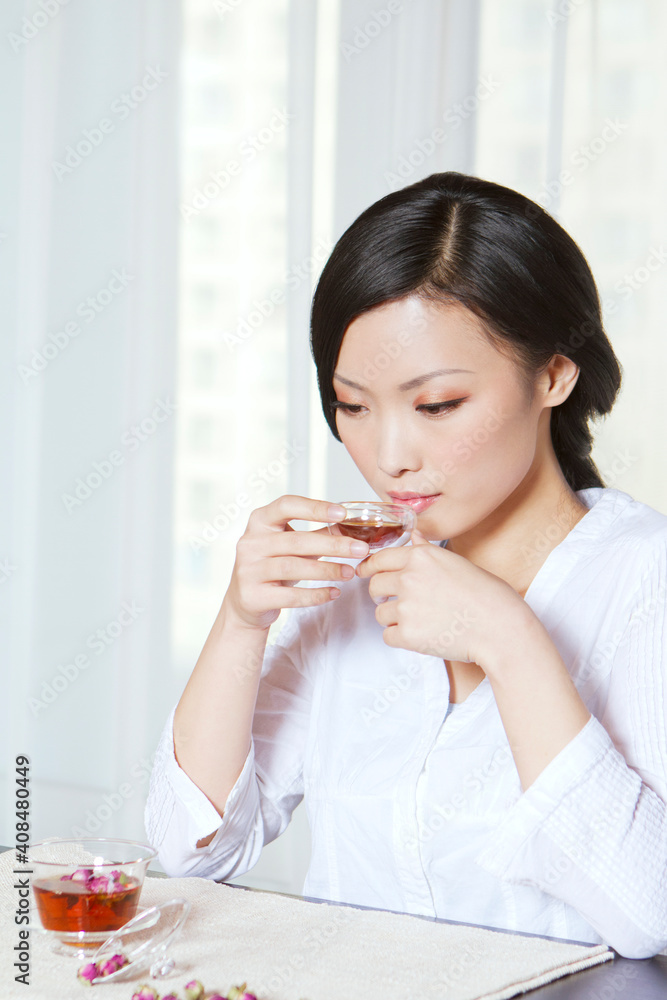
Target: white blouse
{"x": 412, "y": 813}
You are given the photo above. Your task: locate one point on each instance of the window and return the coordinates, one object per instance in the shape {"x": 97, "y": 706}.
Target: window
{"x": 232, "y": 336}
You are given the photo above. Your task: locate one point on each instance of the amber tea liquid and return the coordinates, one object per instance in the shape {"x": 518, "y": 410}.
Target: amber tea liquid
{"x": 69, "y": 906}
{"x": 376, "y": 533}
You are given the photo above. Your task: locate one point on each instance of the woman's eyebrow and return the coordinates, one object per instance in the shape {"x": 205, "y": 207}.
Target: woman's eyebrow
{"x": 414, "y": 383}
{"x": 346, "y": 381}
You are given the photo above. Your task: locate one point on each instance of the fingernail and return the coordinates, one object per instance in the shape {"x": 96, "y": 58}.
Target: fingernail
{"x": 359, "y": 548}
{"x": 336, "y": 513}
{"x": 380, "y": 600}
{"x": 347, "y": 571}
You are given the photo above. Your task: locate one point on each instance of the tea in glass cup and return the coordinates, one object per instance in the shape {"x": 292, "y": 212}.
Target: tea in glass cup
{"x": 84, "y": 889}
{"x": 378, "y": 523}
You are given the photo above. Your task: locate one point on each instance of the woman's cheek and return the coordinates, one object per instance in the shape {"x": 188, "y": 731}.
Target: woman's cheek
{"x": 358, "y": 446}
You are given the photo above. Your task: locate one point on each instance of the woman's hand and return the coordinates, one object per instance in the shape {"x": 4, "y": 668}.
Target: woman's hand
{"x": 271, "y": 556}
{"x": 444, "y": 605}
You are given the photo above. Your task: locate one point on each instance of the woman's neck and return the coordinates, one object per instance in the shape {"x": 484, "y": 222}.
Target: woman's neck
{"x": 524, "y": 530}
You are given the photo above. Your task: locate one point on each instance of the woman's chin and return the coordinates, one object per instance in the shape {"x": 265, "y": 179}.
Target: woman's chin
{"x": 430, "y": 527}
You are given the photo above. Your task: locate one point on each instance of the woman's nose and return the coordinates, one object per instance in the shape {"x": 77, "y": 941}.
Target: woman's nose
{"x": 396, "y": 452}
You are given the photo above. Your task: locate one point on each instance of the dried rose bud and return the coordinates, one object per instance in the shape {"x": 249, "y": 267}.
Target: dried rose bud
{"x": 145, "y": 993}
{"x": 248, "y": 996}
{"x": 99, "y": 883}
{"x": 87, "y": 973}
{"x": 118, "y": 878}
{"x": 236, "y": 992}
{"x": 82, "y": 874}
{"x": 194, "y": 990}
{"x": 113, "y": 964}
{"x": 170, "y": 996}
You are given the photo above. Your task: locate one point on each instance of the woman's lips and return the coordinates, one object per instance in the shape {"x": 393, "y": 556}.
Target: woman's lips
{"x": 418, "y": 503}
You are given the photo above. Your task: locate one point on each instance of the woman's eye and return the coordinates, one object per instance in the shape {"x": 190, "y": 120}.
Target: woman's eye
{"x": 348, "y": 407}
{"x": 435, "y": 409}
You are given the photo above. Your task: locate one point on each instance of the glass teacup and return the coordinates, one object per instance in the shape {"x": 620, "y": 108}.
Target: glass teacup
{"x": 84, "y": 889}
{"x": 376, "y": 522}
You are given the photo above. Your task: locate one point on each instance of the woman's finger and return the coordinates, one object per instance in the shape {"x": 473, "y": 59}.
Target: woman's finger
{"x": 311, "y": 543}
{"x": 391, "y": 637}
{"x": 282, "y": 569}
{"x": 273, "y": 596}
{"x": 383, "y": 586}
{"x": 294, "y": 508}
{"x": 386, "y": 614}
{"x": 386, "y": 560}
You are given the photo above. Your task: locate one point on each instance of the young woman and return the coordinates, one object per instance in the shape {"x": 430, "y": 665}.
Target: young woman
{"x": 477, "y": 720}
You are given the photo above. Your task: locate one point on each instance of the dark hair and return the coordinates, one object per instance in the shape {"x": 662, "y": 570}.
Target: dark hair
{"x": 456, "y": 238}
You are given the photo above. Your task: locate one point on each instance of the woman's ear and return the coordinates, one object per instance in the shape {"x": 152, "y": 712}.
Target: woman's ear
{"x": 559, "y": 379}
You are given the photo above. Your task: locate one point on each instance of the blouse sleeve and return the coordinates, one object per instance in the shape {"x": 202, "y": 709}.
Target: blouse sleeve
{"x": 591, "y": 830}
{"x": 269, "y": 787}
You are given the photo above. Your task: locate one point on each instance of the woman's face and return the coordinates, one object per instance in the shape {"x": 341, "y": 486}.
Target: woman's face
{"x": 453, "y": 445}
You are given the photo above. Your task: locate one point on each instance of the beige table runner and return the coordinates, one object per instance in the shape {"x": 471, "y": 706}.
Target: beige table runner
{"x": 289, "y": 949}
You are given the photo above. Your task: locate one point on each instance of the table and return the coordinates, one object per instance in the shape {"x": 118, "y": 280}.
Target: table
{"x": 622, "y": 979}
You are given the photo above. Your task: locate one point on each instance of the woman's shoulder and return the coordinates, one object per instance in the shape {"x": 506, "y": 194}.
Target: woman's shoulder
{"x": 620, "y": 525}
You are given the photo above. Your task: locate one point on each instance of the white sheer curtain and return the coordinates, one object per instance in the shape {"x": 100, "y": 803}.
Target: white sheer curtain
{"x": 380, "y": 95}
{"x": 576, "y": 125}
{"x": 89, "y": 249}
{"x": 401, "y": 76}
